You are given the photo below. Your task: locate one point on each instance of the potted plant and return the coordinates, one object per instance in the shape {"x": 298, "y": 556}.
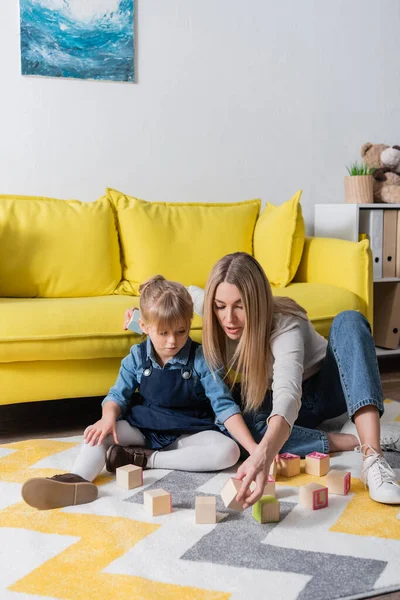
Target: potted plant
{"x": 358, "y": 184}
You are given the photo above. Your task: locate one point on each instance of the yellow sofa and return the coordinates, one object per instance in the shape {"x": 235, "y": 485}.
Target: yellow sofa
{"x": 69, "y": 270}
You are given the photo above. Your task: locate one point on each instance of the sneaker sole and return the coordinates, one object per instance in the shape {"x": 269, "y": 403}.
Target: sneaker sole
{"x": 45, "y": 494}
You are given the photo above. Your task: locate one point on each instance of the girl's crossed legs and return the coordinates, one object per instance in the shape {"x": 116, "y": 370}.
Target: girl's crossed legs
{"x": 203, "y": 451}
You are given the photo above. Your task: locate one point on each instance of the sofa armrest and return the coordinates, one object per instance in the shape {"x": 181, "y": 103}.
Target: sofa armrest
{"x": 342, "y": 263}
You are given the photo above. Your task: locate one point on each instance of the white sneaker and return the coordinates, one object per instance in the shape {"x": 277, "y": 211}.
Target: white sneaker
{"x": 380, "y": 478}
{"x": 390, "y": 437}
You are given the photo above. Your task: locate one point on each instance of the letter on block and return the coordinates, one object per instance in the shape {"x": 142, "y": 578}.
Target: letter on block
{"x": 229, "y": 493}
{"x": 129, "y": 476}
{"x": 157, "y": 502}
{"x": 289, "y": 465}
{"x": 317, "y": 464}
{"x": 314, "y": 496}
{"x": 206, "y": 509}
{"x": 266, "y": 510}
{"x": 338, "y": 482}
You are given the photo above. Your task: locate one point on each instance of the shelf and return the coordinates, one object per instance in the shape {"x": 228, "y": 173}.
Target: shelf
{"x": 385, "y": 352}
{"x": 386, "y": 279}
{"x": 379, "y": 205}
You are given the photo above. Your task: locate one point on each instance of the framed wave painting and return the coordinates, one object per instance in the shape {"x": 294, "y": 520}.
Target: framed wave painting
{"x": 79, "y": 39}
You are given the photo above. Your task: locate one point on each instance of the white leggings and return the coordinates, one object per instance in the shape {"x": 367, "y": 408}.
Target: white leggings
{"x": 203, "y": 451}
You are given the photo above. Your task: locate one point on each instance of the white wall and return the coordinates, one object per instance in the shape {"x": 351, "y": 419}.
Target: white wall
{"x": 234, "y": 99}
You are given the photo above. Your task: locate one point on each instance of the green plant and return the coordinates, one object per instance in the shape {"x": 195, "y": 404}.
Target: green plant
{"x": 360, "y": 169}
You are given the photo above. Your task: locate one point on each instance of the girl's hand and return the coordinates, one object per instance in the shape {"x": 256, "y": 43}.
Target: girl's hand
{"x": 97, "y": 432}
{"x": 255, "y": 468}
{"x": 127, "y": 317}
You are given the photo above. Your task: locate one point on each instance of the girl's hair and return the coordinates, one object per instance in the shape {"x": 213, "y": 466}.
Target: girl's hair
{"x": 165, "y": 303}
{"x": 251, "y": 358}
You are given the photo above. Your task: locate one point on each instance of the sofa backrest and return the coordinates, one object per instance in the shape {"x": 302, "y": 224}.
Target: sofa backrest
{"x": 57, "y": 248}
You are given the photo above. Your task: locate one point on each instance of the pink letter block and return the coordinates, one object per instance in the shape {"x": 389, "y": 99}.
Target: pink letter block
{"x": 289, "y": 465}
{"x": 317, "y": 464}
{"x": 314, "y": 496}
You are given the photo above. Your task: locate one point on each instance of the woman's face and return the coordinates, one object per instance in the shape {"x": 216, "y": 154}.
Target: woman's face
{"x": 228, "y": 307}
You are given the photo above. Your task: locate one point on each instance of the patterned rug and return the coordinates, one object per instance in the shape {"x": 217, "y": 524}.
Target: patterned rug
{"x": 111, "y": 549}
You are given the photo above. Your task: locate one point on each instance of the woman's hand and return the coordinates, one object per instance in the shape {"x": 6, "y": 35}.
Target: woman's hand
{"x": 128, "y": 316}
{"x": 255, "y": 468}
{"x": 97, "y": 432}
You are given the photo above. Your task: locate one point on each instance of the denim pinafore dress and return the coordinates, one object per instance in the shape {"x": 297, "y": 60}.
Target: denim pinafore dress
{"x": 167, "y": 405}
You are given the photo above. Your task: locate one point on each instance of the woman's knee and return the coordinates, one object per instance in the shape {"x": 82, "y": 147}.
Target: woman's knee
{"x": 348, "y": 320}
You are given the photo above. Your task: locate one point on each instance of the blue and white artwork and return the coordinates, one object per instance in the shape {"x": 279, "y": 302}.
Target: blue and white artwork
{"x": 81, "y": 39}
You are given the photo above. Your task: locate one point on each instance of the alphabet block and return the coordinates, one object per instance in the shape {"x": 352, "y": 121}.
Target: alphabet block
{"x": 206, "y": 509}
{"x": 317, "y": 464}
{"x": 266, "y": 510}
{"x": 273, "y": 470}
{"x": 338, "y": 482}
{"x": 229, "y": 493}
{"x": 157, "y": 502}
{"x": 289, "y": 465}
{"x": 314, "y": 496}
{"x": 129, "y": 476}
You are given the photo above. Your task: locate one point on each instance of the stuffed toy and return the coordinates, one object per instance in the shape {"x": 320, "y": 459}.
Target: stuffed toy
{"x": 386, "y": 162}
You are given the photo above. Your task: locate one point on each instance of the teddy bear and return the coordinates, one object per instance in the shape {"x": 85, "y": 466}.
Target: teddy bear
{"x": 386, "y": 162}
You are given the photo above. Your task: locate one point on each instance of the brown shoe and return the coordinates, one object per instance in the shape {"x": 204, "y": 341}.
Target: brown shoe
{"x": 58, "y": 491}
{"x": 119, "y": 456}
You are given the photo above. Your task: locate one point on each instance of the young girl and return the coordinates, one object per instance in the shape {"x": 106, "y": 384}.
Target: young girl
{"x": 175, "y": 420}
{"x": 292, "y": 379}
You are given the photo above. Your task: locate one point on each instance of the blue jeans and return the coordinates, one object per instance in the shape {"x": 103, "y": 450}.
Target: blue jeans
{"x": 347, "y": 380}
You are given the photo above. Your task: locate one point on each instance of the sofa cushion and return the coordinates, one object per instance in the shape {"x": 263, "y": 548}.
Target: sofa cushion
{"x": 45, "y": 329}
{"x": 180, "y": 241}
{"x": 57, "y": 248}
{"x": 322, "y": 302}
{"x": 279, "y": 240}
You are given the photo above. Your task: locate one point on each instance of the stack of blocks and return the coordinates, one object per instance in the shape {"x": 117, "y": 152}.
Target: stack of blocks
{"x": 317, "y": 464}
{"x": 157, "y": 502}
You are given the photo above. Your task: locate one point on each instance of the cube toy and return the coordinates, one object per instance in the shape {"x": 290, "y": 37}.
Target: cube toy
{"x": 229, "y": 493}
{"x": 317, "y": 464}
{"x": 269, "y": 488}
{"x": 289, "y": 464}
{"x": 266, "y": 510}
{"x": 206, "y": 509}
{"x": 157, "y": 502}
{"x": 314, "y": 496}
{"x": 129, "y": 476}
{"x": 338, "y": 482}
{"x": 273, "y": 469}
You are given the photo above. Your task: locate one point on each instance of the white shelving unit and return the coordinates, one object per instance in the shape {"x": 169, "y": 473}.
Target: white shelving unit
{"x": 343, "y": 221}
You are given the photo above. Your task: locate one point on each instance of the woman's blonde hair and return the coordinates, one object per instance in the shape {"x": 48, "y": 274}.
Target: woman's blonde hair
{"x": 251, "y": 358}
{"x": 165, "y": 303}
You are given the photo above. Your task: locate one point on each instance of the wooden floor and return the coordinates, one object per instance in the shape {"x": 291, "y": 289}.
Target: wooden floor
{"x": 70, "y": 417}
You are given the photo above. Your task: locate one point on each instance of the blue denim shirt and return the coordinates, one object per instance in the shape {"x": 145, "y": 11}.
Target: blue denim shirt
{"x": 206, "y": 383}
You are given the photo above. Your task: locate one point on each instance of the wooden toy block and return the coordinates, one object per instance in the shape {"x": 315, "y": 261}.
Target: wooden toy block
{"x": 317, "y": 464}
{"x": 314, "y": 496}
{"x": 206, "y": 509}
{"x": 269, "y": 488}
{"x": 289, "y": 465}
{"x": 266, "y": 510}
{"x": 229, "y": 493}
{"x": 273, "y": 470}
{"x": 129, "y": 476}
{"x": 338, "y": 482}
{"x": 157, "y": 502}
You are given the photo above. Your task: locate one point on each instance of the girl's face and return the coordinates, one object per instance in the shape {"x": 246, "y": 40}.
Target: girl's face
{"x": 169, "y": 342}
{"x": 229, "y": 309}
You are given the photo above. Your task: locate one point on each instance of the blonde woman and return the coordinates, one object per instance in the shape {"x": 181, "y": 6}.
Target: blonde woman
{"x": 292, "y": 379}
{"x": 174, "y": 422}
